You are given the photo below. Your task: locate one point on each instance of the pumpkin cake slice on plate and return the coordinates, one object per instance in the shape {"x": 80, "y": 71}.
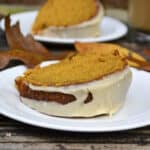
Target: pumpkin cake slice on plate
{"x": 82, "y": 85}
{"x": 73, "y": 18}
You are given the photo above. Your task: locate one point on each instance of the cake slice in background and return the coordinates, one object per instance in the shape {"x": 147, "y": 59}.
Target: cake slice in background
{"x": 73, "y": 18}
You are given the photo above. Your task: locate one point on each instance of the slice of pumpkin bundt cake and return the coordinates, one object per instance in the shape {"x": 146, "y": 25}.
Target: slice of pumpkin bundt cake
{"x": 73, "y": 18}
{"x": 82, "y": 85}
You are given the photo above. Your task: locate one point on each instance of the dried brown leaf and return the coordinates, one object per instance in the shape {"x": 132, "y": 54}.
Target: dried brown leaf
{"x": 147, "y": 52}
{"x": 16, "y": 40}
{"x": 142, "y": 65}
{"x": 24, "y": 48}
{"x": 28, "y": 58}
{"x": 133, "y": 59}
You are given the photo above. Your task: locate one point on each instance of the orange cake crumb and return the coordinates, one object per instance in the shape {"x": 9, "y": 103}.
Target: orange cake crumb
{"x": 75, "y": 70}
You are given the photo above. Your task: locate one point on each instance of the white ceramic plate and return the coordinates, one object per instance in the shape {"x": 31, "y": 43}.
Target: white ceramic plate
{"x": 111, "y": 29}
{"x": 135, "y": 112}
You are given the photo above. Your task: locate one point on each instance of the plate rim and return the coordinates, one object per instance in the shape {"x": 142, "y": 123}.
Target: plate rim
{"x": 123, "y": 32}
{"x": 81, "y": 130}
{"x": 133, "y": 123}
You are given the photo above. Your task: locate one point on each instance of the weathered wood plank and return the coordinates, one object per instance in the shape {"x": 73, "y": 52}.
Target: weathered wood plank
{"x": 10, "y": 125}
{"x": 31, "y": 135}
{"x": 6, "y": 123}
{"x": 15, "y": 132}
{"x": 77, "y": 146}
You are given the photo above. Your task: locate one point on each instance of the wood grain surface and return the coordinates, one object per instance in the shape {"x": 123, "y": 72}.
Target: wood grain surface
{"x": 16, "y": 136}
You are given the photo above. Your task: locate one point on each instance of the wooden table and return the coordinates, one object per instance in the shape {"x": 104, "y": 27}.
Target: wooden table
{"x": 17, "y": 136}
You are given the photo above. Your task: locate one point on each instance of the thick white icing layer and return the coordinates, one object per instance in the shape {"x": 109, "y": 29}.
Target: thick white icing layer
{"x": 108, "y": 96}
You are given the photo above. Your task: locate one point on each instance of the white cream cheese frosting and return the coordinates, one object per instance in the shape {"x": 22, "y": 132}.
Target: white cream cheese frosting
{"x": 90, "y": 28}
{"x": 108, "y": 95}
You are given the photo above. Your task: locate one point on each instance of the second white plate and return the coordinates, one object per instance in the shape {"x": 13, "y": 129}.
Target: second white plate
{"x": 111, "y": 29}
